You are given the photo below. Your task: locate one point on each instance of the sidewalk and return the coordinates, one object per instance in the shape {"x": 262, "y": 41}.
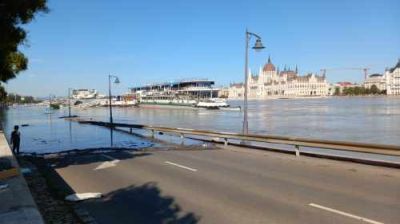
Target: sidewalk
{"x": 16, "y": 203}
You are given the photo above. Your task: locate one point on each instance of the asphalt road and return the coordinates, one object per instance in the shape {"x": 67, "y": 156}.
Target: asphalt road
{"x": 232, "y": 185}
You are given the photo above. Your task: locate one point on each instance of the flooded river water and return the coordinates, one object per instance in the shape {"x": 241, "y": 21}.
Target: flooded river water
{"x": 360, "y": 119}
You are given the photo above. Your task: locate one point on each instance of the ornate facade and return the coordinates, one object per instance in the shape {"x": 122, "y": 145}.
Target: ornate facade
{"x": 272, "y": 83}
{"x": 236, "y": 90}
{"x": 393, "y": 80}
{"x": 377, "y": 80}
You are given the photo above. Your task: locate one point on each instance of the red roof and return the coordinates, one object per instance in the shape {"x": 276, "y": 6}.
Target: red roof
{"x": 237, "y": 85}
{"x": 268, "y": 67}
{"x": 345, "y": 84}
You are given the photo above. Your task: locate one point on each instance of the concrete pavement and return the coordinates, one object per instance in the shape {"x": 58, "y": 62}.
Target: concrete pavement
{"x": 16, "y": 203}
{"x": 233, "y": 185}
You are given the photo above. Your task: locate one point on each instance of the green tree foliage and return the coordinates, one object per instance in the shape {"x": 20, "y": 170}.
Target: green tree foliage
{"x": 3, "y": 94}
{"x": 14, "y": 14}
{"x": 15, "y": 98}
{"x": 358, "y": 90}
{"x": 337, "y": 91}
{"x": 374, "y": 90}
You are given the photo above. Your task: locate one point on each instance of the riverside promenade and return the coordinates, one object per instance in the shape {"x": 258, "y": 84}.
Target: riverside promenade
{"x": 16, "y": 203}
{"x": 228, "y": 184}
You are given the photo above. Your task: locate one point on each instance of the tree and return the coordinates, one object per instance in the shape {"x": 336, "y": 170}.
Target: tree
{"x": 3, "y": 94}
{"x": 357, "y": 90}
{"x": 15, "y": 98}
{"x": 337, "y": 91}
{"x": 374, "y": 90}
{"x": 14, "y": 14}
{"x": 367, "y": 91}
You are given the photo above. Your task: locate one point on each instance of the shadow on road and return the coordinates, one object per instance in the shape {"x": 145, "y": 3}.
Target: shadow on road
{"x": 138, "y": 204}
{"x": 87, "y": 158}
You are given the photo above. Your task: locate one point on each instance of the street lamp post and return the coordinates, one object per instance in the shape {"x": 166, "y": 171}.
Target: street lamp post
{"x": 116, "y": 81}
{"x": 69, "y": 102}
{"x": 257, "y": 46}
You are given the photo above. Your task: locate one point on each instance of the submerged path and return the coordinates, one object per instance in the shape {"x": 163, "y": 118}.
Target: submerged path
{"x": 232, "y": 185}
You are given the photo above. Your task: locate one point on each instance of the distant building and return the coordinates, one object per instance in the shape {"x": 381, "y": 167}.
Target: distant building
{"x": 272, "y": 83}
{"x": 223, "y": 92}
{"x": 341, "y": 85}
{"x": 346, "y": 84}
{"x": 81, "y": 94}
{"x": 393, "y": 80}
{"x": 236, "y": 90}
{"x": 376, "y": 79}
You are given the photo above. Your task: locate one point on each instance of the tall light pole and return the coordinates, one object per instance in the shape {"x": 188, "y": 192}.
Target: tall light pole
{"x": 116, "y": 81}
{"x": 257, "y": 46}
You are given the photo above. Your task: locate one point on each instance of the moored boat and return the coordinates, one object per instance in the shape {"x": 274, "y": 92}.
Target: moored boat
{"x": 188, "y": 93}
{"x": 212, "y": 103}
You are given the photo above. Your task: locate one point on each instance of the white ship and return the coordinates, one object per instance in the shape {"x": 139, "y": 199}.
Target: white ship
{"x": 189, "y": 93}
{"x": 127, "y": 100}
{"x": 83, "y": 94}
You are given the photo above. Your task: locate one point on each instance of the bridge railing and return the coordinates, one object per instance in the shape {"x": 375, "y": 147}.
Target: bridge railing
{"x": 392, "y": 150}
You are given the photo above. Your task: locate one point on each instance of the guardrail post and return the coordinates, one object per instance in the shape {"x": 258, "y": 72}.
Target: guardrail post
{"x": 182, "y": 138}
{"x": 225, "y": 141}
{"x": 297, "y": 149}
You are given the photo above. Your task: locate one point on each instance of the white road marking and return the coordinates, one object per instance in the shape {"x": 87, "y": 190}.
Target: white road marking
{"x": 107, "y": 164}
{"x": 345, "y": 214}
{"x": 181, "y": 166}
{"x": 82, "y": 196}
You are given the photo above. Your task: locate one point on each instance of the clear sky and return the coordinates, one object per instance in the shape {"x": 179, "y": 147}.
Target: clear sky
{"x": 80, "y": 42}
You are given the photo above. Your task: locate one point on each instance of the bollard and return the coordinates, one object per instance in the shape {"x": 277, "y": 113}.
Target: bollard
{"x": 152, "y": 133}
{"x": 225, "y": 141}
{"x": 130, "y": 130}
{"x": 297, "y": 149}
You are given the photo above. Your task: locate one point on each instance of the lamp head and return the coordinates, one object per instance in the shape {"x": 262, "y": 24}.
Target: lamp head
{"x": 258, "y": 46}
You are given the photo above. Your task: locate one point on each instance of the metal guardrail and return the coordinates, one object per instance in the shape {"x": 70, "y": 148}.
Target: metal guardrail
{"x": 392, "y": 150}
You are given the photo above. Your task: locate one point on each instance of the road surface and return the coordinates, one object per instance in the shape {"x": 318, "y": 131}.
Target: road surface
{"x": 232, "y": 185}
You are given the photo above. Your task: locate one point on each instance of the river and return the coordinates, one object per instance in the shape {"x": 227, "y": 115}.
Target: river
{"x": 359, "y": 119}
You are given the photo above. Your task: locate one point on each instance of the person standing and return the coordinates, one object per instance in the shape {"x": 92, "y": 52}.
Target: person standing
{"x": 15, "y": 140}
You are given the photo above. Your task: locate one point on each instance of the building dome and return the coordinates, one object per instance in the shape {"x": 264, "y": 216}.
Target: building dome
{"x": 375, "y": 75}
{"x": 268, "y": 67}
{"x": 396, "y": 66}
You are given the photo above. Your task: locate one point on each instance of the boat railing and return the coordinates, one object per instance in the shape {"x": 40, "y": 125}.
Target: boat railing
{"x": 196, "y": 88}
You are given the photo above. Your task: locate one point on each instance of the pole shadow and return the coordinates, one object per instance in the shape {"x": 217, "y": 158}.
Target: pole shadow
{"x": 138, "y": 204}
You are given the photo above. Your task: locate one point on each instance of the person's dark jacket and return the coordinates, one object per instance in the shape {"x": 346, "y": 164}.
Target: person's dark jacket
{"x": 15, "y": 137}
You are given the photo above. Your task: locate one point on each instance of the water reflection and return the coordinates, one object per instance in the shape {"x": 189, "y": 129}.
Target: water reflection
{"x": 70, "y": 130}
{"x": 111, "y": 137}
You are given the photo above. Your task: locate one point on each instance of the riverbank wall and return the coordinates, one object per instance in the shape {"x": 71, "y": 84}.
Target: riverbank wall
{"x": 17, "y": 205}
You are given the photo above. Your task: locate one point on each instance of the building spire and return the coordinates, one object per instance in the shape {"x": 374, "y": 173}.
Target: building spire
{"x": 297, "y": 70}
{"x": 269, "y": 59}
